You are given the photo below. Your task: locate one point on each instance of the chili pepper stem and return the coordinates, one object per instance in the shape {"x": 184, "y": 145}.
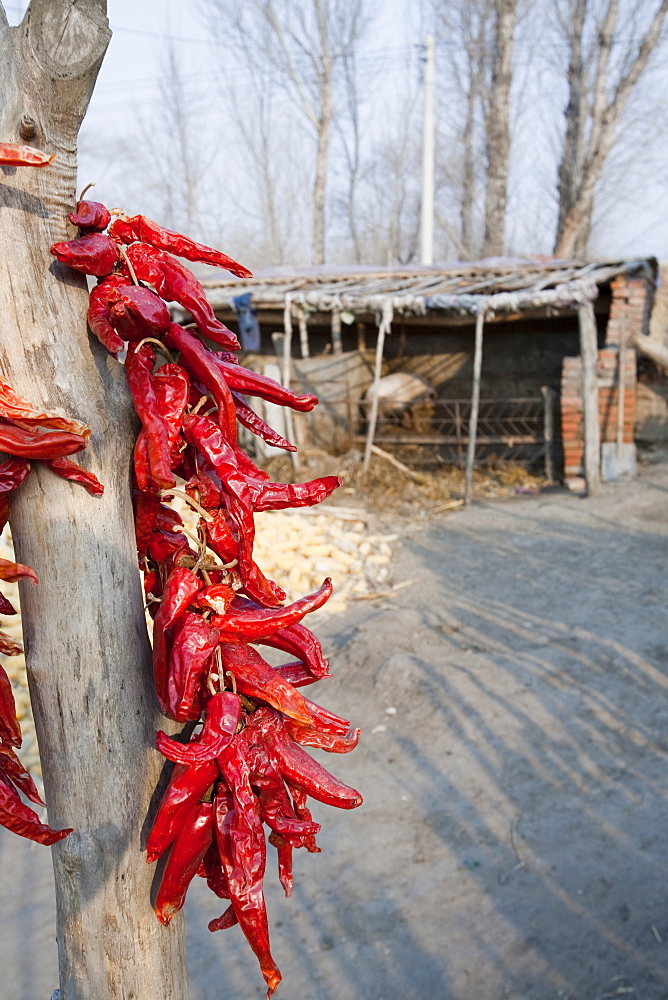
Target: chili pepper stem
{"x": 189, "y": 500}
{"x": 85, "y": 190}
{"x": 159, "y": 344}
{"x": 127, "y": 260}
{"x": 199, "y": 402}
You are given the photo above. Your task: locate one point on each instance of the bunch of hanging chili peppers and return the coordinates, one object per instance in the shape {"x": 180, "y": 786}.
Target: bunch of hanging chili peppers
{"x": 22, "y": 437}
{"x": 210, "y": 601}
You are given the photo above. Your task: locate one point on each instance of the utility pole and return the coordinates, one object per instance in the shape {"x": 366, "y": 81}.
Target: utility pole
{"x": 427, "y": 216}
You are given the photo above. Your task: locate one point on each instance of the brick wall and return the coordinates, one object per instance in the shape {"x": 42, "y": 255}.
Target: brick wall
{"x": 629, "y": 311}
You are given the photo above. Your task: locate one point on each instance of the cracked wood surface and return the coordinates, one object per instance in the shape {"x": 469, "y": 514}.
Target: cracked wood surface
{"x": 87, "y": 650}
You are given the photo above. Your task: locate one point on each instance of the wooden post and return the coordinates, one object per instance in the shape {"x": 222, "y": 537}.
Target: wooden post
{"x": 548, "y": 429}
{"x": 303, "y": 334}
{"x": 475, "y": 403}
{"x": 87, "y": 650}
{"x": 286, "y": 368}
{"x": 337, "y": 347}
{"x": 592, "y": 433}
{"x": 620, "y": 399}
{"x": 383, "y": 328}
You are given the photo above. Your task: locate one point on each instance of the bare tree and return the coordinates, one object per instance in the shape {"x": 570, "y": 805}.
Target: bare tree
{"x": 306, "y": 43}
{"x": 478, "y": 37}
{"x": 606, "y": 60}
{"x": 497, "y": 127}
{"x": 389, "y": 196}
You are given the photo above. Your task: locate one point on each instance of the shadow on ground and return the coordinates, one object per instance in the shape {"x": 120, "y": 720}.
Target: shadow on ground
{"x": 512, "y": 843}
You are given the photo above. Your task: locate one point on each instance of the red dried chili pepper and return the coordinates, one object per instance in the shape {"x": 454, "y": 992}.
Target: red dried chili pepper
{"x": 298, "y": 674}
{"x": 297, "y": 640}
{"x": 193, "y": 643}
{"x": 137, "y": 312}
{"x": 171, "y": 386}
{"x": 10, "y": 731}
{"x": 222, "y": 718}
{"x": 23, "y": 156}
{"x": 174, "y": 282}
{"x": 23, "y": 414}
{"x": 254, "y": 625}
{"x": 27, "y": 444}
{"x": 13, "y": 572}
{"x": 138, "y": 373}
{"x": 275, "y": 804}
{"x": 187, "y": 852}
{"x": 19, "y": 818}
{"x": 180, "y": 588}
{"x": 200, "y": 365}
{"x": 252, "y": 384}
{"x": 186, "y": 787}
{"x": 255, "y": 678}
{"x": 216, "y": 597}
{"x": 299, "y": 799}
{"x": 243, "y": 854}
{"x": 250, "y": 419}
{"x": 331, "y": 742}
{"x": 139, "y": 228}
{"x": 99, "y": 318}
{"x": 279, "y": 496}
{"x": 66, "y": 469}
{"x": 6, "y": 608}
{"x": 90, "y": 215}
{"x": 9, "y": 646}
{"x": 284, "y": 852}
{"x": 298, "y": 767}
{"x": 223, "y": 537}
{"x": 12, "y": 473}
{"x": 12, "y": 768}
{"x": 93, "y": 253}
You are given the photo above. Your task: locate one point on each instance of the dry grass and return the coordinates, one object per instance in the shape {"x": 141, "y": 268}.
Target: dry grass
{"x": 386, "y": 488}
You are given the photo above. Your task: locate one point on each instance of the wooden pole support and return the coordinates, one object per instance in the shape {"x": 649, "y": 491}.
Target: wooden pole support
{"x": 548, "y": 429}
{"x": 592, "y": 432}
{"x": 337, "y": 345}
{"x": 475, "y": 404}
{"x": 620, "y": 397}
{"x": 303, "y": 334}
{"x": 383, "y": 328}
{"x": 88, "y": 656}
{"x": 286, "y": 371}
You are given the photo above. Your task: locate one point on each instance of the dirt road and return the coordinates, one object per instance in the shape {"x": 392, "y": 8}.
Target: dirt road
{"x": 513, "y": 839}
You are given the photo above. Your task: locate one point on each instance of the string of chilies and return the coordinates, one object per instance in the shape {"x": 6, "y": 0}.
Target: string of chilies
{"x": 210, "y": 601}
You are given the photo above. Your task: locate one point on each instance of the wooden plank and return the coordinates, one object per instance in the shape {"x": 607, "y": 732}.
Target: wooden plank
{"x": 337, "y": 347}
{"x": 592, "y": 431}
{"x": 373, "y": 416}
{"x": 548, "y": 429}
{"x": 303, "y": 334}
{"x": 510, "y": 440}
{"x": 475, "y": 402}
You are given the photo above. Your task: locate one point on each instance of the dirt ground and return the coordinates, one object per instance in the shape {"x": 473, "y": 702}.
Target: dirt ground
{"x": 513, "y": 839}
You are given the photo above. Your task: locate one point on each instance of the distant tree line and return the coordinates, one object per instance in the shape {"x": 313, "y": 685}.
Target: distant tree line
{"x": 543, "y": 112}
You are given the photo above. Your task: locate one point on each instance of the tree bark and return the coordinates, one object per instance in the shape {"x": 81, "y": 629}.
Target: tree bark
{"x": 320, "y": 184}
{"x": 87, "y": 650}
{"x": 498, "y": 130}
{"x": 594, "y": 113}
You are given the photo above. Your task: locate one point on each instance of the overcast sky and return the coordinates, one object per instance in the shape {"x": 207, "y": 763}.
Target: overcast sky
{"x": 128, "y": 86}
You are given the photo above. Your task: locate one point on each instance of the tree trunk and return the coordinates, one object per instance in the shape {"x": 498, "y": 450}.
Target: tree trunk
{"x": 497, "y": 126}
{"x": 87, "y": 650}
{"x": 320, "y": 185}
